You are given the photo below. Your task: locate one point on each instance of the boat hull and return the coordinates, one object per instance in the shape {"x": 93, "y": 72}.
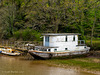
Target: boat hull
{"x": 49, "y": 55}
{"x": 37, "y": 56}
{"x": 9, "y": 51}
{"x": 0, "y": 51}
{"x": 11, "y": 54}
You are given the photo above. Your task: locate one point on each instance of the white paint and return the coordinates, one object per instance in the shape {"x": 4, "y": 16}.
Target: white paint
{"x": 61, "y": 43}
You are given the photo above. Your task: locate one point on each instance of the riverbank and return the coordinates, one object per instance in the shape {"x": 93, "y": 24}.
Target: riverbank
{"x": 10, "y": 65}
{"x": 91, "y": 65}
{"x": 85, "y": 63}
{"x": 88, "y": 63}
{"x": 96, "y": 44}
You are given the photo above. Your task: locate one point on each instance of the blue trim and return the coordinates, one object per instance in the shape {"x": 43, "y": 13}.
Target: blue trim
{"x": 0, "y": 51}
{"x": 47, "y": 41}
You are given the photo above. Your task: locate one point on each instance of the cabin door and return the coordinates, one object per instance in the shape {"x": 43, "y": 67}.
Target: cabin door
{"x": 47, "y": 41}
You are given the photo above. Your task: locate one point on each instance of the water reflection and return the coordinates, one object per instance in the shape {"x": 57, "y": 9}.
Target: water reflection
{"x": 14, "y": 66}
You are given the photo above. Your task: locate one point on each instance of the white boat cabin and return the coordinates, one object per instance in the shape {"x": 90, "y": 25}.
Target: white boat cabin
{"x": 61, "y": 42}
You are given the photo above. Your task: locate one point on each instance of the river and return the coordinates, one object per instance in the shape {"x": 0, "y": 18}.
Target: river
{"x": 15, "y": 66}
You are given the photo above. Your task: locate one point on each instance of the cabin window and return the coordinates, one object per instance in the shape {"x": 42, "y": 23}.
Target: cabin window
{"x": 85, "y": 47}
{"x": 36, "y": 48}
{"x": 45, "y": 49}
{"x": 74, "y": 38}
{"x": 55, "y": 49}
{"x": 49, "y": 50}
{"x": 66, "y": 38}
{"x": 66, "y": 48}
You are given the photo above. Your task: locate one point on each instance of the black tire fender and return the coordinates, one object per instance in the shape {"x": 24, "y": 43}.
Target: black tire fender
{"x": 50, "y": 55}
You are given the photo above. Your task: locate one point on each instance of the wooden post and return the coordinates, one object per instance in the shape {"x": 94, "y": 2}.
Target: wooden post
{"x": 11, "y": 44}
{"x": 6, "y": 43}
{"x": 2, "y": 43}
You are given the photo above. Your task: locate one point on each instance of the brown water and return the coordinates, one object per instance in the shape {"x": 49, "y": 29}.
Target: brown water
{"x": 16, "y": 66}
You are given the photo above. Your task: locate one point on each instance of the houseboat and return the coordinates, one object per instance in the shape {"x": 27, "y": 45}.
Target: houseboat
{"x": 59, "y": 44}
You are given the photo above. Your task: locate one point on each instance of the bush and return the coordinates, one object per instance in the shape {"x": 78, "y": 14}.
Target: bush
{"x": 96, "y": 45}
{"x": 27, "y": 35}
{"x": 17, "y": 35}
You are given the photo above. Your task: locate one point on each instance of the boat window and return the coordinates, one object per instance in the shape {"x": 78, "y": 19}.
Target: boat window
{"x": 66, "y": 48}
{"x": 36, "y": 48}
{"x": 49, "y": 50}
{"x": 66, "y": 38}
{"x": 85, "y": 47}
{"x": 55, "y": 49}
{"x": 74, "y": 38}
{"x": 45, "y": 49}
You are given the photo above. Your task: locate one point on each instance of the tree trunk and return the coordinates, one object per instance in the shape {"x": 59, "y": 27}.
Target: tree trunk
{"x": 1, "y": 1}
{"x": 93, "y": 27}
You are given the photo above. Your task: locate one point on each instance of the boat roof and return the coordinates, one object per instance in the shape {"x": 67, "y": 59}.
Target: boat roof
{"x": 60, "y": 34}
{"x": 45, "y": 47}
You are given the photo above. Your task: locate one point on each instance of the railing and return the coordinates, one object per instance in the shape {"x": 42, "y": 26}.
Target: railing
{"x": 81, "y": 42}
{"x": 19, "y": 44}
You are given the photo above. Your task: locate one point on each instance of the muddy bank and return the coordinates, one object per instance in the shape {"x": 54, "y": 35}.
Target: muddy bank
{"x": 89, "y": 63}
{"x": 94, "y": 54}
{"x": 15, "y": 65}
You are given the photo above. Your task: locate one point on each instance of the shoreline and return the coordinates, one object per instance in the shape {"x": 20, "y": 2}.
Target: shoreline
{"x": 66, "y": 66}
{"x": 90, "y": 63}
{"x": 85, "y": 64}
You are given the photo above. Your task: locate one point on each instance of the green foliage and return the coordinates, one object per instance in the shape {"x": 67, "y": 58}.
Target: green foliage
{"x": 96, "y": 44}
{"x": 84, "y": 63}
{"x": 27, "y": 35}
{"x": 55, "y": 16}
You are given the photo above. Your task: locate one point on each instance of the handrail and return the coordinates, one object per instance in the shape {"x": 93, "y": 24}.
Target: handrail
{"x": 81, "y": 42}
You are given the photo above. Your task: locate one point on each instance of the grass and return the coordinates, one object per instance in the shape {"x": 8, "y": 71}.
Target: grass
{"x": 96, "y": 44}
{"x": 86, "y": 63}
{"x": 94, "y": 41}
